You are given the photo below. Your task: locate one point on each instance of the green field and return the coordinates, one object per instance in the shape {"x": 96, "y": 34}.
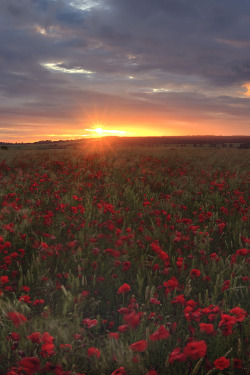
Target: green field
{"x": 124, "y": 260}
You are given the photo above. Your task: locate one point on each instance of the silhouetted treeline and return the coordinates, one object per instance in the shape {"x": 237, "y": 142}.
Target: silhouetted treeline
{"x": 212, "y": 141}
{"x": 196, "y": 141}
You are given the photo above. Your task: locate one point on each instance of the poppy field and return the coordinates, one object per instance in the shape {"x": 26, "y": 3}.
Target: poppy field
{"x": 124, "y": 261}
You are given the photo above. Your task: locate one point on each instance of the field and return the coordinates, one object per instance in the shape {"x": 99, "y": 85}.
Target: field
{"x": 124, "y": 261}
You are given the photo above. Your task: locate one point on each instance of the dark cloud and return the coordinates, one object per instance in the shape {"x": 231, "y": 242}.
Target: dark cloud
{"x": 178, "y": 57}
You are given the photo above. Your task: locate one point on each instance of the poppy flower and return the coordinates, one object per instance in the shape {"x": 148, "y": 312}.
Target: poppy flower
{"x": 123, "y": 328}
{"x": 195, "y": 273}
{"x": 133, "y": 319}
{"x": 15, "y": 336}
{"x": 172, "y": 283}
{"x": 124, "y": 288}
{"x": 16, "y": 318}
{"x": 242, "y": 252}
{"x": 4, "y": 279}
{"x": 206, "y": 328}
{"x": 94, "y": 352}
{"x": 222, "y": 363}
{"x": 35, "y": 337}
{"x": 239, "y": 313}
{"x": 160, "y": 334}
{"x": 139, "y": 346}
{"x": 237, "y": 363}
{"x": 227, "y": 322}
{"x": 195, "y": 349}
{"x": 176, "y": 355}
{"x": 119, "y": 371}
{"x": 113, "y": 335}
{"x": 126, "y": 266}
{"x": 47, "y": 338}
{"x": 89, "y": 322}
{"x": 47, "y": 350}
{"x": 30, "y": 365}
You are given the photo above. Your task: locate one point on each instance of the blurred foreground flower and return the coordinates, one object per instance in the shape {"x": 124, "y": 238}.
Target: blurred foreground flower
{"x": 16, "y": 318}
{"x": 139, "y": 346}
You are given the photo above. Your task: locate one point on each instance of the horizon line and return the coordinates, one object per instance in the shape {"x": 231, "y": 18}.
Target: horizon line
{"x": 123, "y": 137}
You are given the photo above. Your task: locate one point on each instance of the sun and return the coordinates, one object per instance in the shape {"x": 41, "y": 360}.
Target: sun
{"x": 98, "y": 131}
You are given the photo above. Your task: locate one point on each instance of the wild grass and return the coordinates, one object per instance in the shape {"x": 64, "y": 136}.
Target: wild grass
{"x": 131, "y": 240}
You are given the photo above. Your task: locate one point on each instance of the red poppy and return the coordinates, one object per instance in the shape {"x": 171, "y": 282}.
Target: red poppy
{"x": 154, "y": 301}
{"x": 237, "y": 363}
{"x": 226, "y": 323}
{"x": 94, "y": 352}
{"x": 239, "y": 313}
{"x": 195, "y": 349}
{"x": 133, "y": 319}
{"x": 30, "y": 365}
{"x": 195, "y": 273}
{"x": 38, "y": 302}
{"x": 85, "y": 293}
{"x": 126, "y": 266}
{"x": 114, "y": 253}
{"x": 89, "y": 322}
{"x": 206, "y": 328}
{"x": 119, "y": 371}
{"x": 47, "y": 338}
{"x": 160, "y": 334}
{"x": 242, "y": 252}
{"x": 176, "y": 355}
{"x": 226, "y": 285}
{"x": 179, "y": 299}
{"x": 139, "y": 346}
{"x": 171, "y": 284}
{"x": 124, "y": 288}
{"x": 47, "y": 350}
{"x": 35, "y": 337}
{"x": 25, "y": 299}
{"x": 15, "y": 336}
{"x": 123, "y": 328}
{"x": 16, "y": 318}
{"x": 113, "y": 335}
{"x": 4, "y": 279}
{"x": 222, "y": 363}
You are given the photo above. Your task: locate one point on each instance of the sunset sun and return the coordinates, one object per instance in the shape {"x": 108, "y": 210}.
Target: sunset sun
{"x": 99, "y": 131}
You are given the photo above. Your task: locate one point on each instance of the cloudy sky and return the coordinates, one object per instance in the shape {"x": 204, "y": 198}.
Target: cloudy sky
{"x": 130, "y": 67}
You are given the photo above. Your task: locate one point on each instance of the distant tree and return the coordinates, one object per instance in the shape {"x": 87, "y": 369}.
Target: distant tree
{"x": 244, "y": 146}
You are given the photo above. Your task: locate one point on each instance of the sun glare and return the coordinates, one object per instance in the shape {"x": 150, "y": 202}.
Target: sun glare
{"x": 100, "y": 132}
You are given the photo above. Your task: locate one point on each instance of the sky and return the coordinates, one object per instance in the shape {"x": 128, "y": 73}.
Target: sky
{"x": 128, "y": 67}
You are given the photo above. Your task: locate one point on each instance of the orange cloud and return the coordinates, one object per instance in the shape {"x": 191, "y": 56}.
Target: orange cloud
{"x": 246, "y": 87}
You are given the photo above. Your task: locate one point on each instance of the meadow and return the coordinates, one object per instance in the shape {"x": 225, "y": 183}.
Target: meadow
{"x": 124, "y": 261}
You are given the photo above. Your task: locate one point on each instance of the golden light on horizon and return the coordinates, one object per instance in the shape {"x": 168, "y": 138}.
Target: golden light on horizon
{"x": 105, "y": 132}
{"x": 98, "y": 130}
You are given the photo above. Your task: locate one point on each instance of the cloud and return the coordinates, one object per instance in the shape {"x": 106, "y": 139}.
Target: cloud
{"x": 59, "y": 68}
{"x": 189, "y": 60}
